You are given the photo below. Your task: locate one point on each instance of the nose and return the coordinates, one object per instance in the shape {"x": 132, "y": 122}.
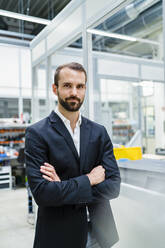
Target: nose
{"x": 74, "y": 91}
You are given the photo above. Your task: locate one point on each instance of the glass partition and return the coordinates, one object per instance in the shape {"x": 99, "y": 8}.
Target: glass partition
{"x": 133, "y": 109}
{"x": 8, "y": 108}
{"x": 119, "y": 109}
{"x": 153, "y": 116}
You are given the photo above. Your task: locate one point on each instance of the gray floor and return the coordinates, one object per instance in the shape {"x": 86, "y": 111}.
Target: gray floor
{"x": 14, "y": 229}
{"x": 140, "y": 224}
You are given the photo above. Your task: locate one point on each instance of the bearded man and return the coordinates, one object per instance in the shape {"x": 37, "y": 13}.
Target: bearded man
{"x": 72, "y": 171}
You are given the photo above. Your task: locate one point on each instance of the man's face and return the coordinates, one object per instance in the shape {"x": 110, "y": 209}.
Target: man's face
{"x": 71, "y": 89}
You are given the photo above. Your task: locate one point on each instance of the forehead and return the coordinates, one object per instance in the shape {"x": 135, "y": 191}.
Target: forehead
{"x": 69, "y": 75}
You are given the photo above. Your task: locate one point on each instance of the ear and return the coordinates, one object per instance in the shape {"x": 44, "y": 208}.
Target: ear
{"x": 54, "y": 88}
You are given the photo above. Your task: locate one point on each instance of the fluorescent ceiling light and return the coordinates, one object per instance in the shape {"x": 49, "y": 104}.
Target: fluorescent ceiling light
{"x": 24, "y": 17}
{"x": 121, "y": 36}
{"x": 112, "y": 35}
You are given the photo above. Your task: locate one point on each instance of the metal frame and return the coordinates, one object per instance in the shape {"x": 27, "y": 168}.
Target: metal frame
{"x": 87, "y": 61}
{"x": 16, "y": 34}
{"x": 108, "y": 9}
{"x": 111, "y": 56}
{"x": 164, "y": 35}
{"x": 87, "y": 43}
{"x": 48, "y": 80}
{"x": 20, "y": 99}
{"x": 33, "y": 102}
{"x": 16, "y": 42}
{"x": 68, "y": 10}
{"x": 128, "y": 59}
{"x": 104, "y": 13}
{"x": 129, "y": 79}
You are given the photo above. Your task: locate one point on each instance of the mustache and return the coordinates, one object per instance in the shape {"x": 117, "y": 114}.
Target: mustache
{"x": 72, "y": 98}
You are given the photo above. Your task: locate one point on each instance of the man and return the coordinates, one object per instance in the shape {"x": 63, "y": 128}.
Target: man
{"x": 71, "y": 170}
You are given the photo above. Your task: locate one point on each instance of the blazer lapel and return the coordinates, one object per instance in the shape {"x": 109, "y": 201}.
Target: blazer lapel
{"x": 84, "y": 140}
{"x": 58, "y": 124}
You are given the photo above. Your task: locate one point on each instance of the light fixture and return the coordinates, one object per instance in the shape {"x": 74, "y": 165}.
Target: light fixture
{"x": 121, "y": 36}
{"x": 24, "y": 17}
{"x": 111, "y": 35}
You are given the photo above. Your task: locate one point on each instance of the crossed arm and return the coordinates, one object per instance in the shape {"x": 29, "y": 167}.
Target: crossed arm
{"x": 104, "y": 179}
{"x": 96, "y": 176}
{"x": 103, "y": 182}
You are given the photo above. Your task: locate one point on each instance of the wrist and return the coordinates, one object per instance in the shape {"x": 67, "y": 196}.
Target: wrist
{"x": 90, "y": 179}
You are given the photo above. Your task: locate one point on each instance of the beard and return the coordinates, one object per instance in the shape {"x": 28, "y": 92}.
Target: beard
{"x": 69, "y": 105}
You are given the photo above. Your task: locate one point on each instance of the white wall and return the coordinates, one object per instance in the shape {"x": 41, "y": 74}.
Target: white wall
{"x": 15, "y": 68}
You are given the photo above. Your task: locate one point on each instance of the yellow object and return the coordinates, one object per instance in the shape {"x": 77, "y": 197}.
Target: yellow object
{"x": 132, "y": 153}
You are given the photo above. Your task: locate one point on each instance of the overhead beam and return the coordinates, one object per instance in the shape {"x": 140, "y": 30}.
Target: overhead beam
{"x": 15, "y": 42}
{"x": 16, "y": 34}
{"x": 102, "y": 10}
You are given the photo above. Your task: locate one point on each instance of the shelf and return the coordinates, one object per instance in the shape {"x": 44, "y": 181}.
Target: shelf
{"x": 14, "y": 142}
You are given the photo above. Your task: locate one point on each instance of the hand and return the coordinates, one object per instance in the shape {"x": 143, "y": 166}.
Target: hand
{"x": 97, "y": 175}
{"x": 49, "y": 173}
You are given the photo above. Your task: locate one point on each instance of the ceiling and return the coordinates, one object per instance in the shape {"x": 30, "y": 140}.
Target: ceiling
{"x": 46, "y": 9}
{"x": 141, "y": 19}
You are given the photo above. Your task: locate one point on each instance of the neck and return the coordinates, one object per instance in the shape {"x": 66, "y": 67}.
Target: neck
{"x": 71, "y": 116}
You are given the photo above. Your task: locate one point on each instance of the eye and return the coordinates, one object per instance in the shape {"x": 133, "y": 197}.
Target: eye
{"x": 67, "y": 85}
{"x": 80, "y": 86}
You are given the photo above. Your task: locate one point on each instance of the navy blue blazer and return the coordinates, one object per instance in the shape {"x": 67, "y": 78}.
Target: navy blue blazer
{"x": 62, "y": 218}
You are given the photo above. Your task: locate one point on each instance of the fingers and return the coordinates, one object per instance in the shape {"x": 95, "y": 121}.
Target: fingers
{"x": 98, "y": 168}
{"x": 48, "y": 169}
{"x": 49, "y": 172}
{"x": 49, "y": 165}
{"x": 48, "y": 178}
{"x": 45, "y": 171}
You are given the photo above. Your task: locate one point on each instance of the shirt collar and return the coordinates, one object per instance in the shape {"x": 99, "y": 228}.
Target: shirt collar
{"x": 65, "y": 120}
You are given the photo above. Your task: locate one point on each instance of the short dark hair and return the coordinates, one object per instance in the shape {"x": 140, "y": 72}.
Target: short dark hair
{"x": 73, "y": 66}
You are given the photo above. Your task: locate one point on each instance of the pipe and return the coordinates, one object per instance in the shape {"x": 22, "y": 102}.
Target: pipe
{"x": 16, "y": 34}
{"x": 146, "y": 19}
{"x": 126, "y": 15}
{"x": 131, "y": 16}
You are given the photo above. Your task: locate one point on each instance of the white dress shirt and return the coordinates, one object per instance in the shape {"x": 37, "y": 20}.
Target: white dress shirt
{"x": 74, "y": 134}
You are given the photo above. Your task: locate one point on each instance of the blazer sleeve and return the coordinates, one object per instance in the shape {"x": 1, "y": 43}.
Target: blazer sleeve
{"x": 110, "y": 187}
{"x": 73, "y": 191}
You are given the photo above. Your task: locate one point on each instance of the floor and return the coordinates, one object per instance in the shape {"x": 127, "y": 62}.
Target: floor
{"x": 14, "y": 227}
{"x": 15, "y": 231}
{"x": 139, "y": 225}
